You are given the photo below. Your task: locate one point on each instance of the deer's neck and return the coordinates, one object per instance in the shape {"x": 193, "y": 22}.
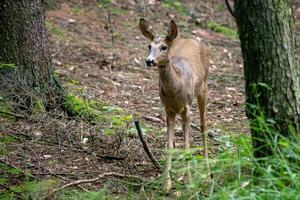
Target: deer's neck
{"x": 169, "y": 80}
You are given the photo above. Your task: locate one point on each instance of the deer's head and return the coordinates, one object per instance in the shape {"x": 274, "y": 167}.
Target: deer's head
{"x": 159, "y": 44}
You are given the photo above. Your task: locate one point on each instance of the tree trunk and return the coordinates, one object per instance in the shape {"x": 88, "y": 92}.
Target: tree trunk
{"x": 271, "y": 70}
{"x": 23, "y": 45}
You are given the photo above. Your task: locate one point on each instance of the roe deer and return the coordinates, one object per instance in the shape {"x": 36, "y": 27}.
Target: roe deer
{"x": 183, "y": 69}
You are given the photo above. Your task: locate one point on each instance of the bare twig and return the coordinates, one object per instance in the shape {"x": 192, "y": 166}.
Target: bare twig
{"x": 150, "y": 118}
{"x": 112, "y": 35}
{"x": 77, "y": 182}
{"x": 229, "y": 8}
{"x": 12, "y": 114}
{"x": 145, "y": 145}
{"x": 195, "y": 127}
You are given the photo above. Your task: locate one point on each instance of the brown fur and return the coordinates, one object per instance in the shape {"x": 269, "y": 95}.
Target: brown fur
{"x": 183, "y": 71}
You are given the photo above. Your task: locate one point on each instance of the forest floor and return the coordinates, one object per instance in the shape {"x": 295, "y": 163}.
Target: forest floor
{"x": 101, "y": 58}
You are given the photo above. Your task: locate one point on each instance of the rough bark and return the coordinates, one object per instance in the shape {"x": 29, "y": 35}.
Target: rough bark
{"x": 271, "y": 70}
{"x": 23, "y": 42}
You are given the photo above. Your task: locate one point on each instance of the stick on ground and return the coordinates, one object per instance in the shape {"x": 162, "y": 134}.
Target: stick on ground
{"x": 101, "y": 176}
{"x": 145, "y": 145}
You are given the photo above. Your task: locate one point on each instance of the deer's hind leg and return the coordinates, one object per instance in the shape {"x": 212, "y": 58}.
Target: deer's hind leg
{"x": 186, "y": 124}
{"x": 202, "y": 110}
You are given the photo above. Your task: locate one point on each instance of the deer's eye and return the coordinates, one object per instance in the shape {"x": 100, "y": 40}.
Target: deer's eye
{"x": 163, "y": 48}
{"x": 149, "y": 47}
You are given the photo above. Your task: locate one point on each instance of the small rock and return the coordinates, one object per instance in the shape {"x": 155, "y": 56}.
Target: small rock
{"x": 72, "y": 20}
{"x": 47, "y": 156}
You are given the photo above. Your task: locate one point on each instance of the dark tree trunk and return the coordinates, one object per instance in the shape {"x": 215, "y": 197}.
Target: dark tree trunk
{"x": 272, "y": 73}
{"x": 23, "y": 43}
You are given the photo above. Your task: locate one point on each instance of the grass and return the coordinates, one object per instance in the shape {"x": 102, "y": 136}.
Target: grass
{"x": 233, "y": 171}
{"x": 175, "y": 5}
{"x": 226, "y": 31}
{"x": 77, "y": 9}
{"x": 56, "y": 31}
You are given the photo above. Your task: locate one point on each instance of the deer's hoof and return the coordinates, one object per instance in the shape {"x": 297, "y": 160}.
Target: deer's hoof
{"x": 168, "y": 185}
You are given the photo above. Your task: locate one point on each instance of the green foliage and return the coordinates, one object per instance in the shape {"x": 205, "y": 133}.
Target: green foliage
{"x": 119, "y": 124}
{"x": 56, "y": 31}
{"x": 228, "y": 32}
{"x": 175, "y": 5}
{"x": 4, "y": 65}
{"x": 104, "y": 3}
{"x": 21, "y": 186}
{"x": 38, "y": 106}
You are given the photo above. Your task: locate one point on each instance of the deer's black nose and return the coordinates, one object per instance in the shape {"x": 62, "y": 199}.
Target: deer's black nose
{"x": 149, "y": 63}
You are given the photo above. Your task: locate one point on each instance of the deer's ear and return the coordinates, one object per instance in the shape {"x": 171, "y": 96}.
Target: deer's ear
{"x": 172, "y": 31}
{"x": 146, "y": 30}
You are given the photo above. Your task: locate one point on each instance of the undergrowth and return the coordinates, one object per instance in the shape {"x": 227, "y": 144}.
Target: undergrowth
{"x": 175, "y": 5}
{"x": 226, "y": 31}
{"x": 114, "y": 122}
{"x": 234, "y": 172}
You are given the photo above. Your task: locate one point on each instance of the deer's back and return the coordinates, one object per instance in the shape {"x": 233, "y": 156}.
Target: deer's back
{"x": 196, "y": 55}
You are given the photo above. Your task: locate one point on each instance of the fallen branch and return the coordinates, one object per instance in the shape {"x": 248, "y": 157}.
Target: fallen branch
{"x": 77, "y": 182}
{"x": 145, "y": 145}
{"x": 12, "y": 114}
{"x": 154, "y": 119}
{"x": 195, "y": 127}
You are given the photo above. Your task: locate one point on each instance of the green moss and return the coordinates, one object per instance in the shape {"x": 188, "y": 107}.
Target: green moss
{"x": 113, "y": 119}
{"x": 75, "y": 106}
{"x": 94, "y": 111}
{"x": 228, "y": 32}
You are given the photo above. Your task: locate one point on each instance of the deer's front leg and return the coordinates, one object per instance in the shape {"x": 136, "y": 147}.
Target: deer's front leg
{"x": 202, "y": 110}
{"x": 170, "y": 138}
{"x": 186, "y": 124}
